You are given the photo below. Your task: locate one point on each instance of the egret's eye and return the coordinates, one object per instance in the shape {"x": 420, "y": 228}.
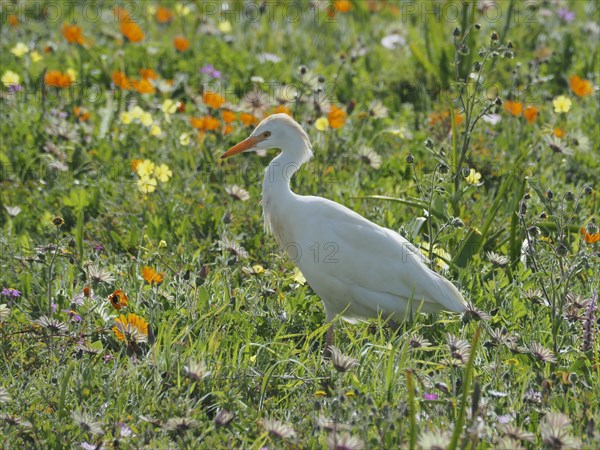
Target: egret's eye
{"x": 267, "y": 134}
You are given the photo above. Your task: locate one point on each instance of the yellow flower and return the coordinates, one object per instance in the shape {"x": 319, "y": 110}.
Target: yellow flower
{"x": 321, "y": 124}
{"x": 35, "y": 56}
{"x": 162, "y": 244}
{"x": 298, "y": 277}
{"x": 132, "y": 328}
{"x": 19, "y": 50}
{"x": 72, "y": 73}
{"x": 561, "y": 104}
{"x": 163, "y": 173}
{"x": 145, "y": 168}
{"x": 155, "y": 131}
{"x": 136, "y": 112}
{"x": 182, "y": 10}
{"x": 146, "y": 185}
{"x": 473, "y": 177}
{"x": 146, "y": 119}
{"x": 438, "y": 254}
{"x": 125, "y": 118}
{"x": 258, "y": 268}
{"x": 225, "y": 26}
{"x": 169, "y": 106}
{"x": 184, "y": 139}
{"x": 10, "y": 78}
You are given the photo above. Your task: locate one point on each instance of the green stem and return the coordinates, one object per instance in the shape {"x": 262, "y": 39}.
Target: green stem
{"x": 460, "y": 421}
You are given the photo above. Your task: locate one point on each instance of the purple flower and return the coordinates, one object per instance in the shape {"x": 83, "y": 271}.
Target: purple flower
{"x": 12, "y": 88}
{"x": 505, "y": 418}
{"x": 430, "y": 396}
{"x": 210, "y": 70}
{"x": 10, "y": 292}
{"x": 54, "y": 307}
{"x": 74, "y": 316}
{"x": 98, "y": 247}
{"x": 124, "y": 430}
{"x": 565, "y": 14}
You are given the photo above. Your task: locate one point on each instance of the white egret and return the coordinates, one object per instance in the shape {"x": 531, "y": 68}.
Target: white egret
{"x": 358, "y": 268}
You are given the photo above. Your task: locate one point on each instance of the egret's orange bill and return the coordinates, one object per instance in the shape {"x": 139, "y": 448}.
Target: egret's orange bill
{"x": 242, "y": 146}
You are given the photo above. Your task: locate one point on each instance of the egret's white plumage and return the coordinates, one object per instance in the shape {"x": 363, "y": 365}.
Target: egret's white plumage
{"x": 359, "y": 269}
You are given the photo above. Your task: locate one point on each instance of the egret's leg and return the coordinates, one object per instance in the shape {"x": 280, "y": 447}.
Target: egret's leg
{"x": 393, "y": 325}
{"x": 328, "y": 342}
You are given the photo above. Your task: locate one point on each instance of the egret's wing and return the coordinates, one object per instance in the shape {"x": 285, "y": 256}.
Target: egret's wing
{"x": 380, "y": 260}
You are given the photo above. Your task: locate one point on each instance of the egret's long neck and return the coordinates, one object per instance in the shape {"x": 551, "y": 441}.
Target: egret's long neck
{"x": 277, "y": 196}
{"x": 276, "y": 184}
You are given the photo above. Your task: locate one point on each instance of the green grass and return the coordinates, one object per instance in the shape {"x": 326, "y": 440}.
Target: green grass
{"x": 233, "y": 327}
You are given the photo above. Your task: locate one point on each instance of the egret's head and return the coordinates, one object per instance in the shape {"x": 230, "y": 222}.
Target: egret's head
{"x": 276, "y": 131}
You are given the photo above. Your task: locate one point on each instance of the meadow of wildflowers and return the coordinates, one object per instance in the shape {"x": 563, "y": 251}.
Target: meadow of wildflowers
{"x": 142, "y": 305}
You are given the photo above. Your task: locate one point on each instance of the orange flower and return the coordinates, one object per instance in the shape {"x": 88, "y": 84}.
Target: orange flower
{"x": 81, "y": 113}
{"x": 213, "y": 99}
{"x": 336, "y": 117}
{"x": 181, "y": 43}
{"x": 120, "y": 80}
{"x": 131, "y": 328}
{"x": 227, "y": 116}
{"x": 206, "y": 123}
{"x": 148, "y": 74}
{"x": 122, "y": 14}
{"x": 282, "y": 109}
{"x": 143, "y": 86}
{"x": 163, "y": 15}
{"x": 152, "y": 276}
{"x": 73, "y": 34}
{"x": 248, "y": 119}
{"x": 227, "y": 129}
{"x": 132, "y": 31}
{"x": 514, "y": 108}
{"x": 134, "y": 163}
{"x": 12, "y": 20}
{"x": 559, "y": 132}
{"x": 86, "y": 291}
{"x": 118, "y": 299}
{"x": 581, "y": 87}
{"x": 342, "y": 6}
{"x": 590, "y": 238}
{"x": 444, "y": 118}
{"x": 531, "y": 113}
{"x": 57, "y": 79}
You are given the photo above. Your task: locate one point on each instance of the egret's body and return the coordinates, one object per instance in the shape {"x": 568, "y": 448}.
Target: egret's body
{"x": 359, "y": 269}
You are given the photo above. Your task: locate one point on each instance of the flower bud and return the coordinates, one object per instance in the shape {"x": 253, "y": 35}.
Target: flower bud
{"x": 457, "y": 223}
{"x": 410, "y": 159}
{"x": 456, "y": 32}
{"x": 494, "y": 36}
{"x": 562, "y": 250}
